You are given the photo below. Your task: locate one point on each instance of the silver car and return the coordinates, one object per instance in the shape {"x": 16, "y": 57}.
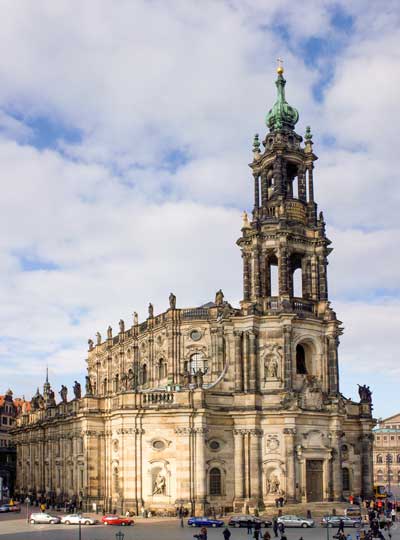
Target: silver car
{"x": 296, "y": 521}
{"x": 75, "y": 519}
{"x": 42, "y": 517}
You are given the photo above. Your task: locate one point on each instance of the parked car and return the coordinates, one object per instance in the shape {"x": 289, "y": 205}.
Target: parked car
{"x": 333, "y": 521}
{"x": 16, "y": 507}
{"x": 117, "y": 520}
{"x": 296, "y": 521}
{"x": 353, "y": 511}
{"x": 242, "y": 521}
{"x": 4, "y": 508}
{"x": 204, "y": 522}
{"x": 42, "y": 517}
{"x": 75, "y": 519}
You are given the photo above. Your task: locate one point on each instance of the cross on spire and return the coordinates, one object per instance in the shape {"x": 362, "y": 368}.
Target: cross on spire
{"x": 280, "y": 62}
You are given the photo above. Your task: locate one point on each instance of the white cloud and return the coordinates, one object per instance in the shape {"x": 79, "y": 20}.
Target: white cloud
{"x": 120, "y": 224}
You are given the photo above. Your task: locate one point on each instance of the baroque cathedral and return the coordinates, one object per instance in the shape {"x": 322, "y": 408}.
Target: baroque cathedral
{"x": 218, "y": 406}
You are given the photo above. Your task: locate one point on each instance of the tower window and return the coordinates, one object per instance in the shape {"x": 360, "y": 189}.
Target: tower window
{"x": 301, "y": 368}
{"x": 215, "y": 482}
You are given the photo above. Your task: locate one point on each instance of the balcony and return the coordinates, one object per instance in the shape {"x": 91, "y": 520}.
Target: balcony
{"x": 298, "y": 305}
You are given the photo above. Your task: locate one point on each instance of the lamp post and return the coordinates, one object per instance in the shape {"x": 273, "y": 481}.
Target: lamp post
{"x": 80, "y": 529}
{"x": 27, "y": 501}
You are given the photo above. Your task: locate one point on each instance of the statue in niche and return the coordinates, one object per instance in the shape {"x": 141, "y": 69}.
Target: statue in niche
{"x": 98, "y": 338}
{"x": 159, "y": 485}
{"x": 219, "y": 298}
{"x": 124, "y": 382}
{"x": 151, "y": 311}
{"x": 64, "y": 393}
{"x": 88, "y": 386}
{"x": 132, "y": 380}
{"x": 77, "y": 390}
{"x": 271, "y": 368}
{"x": 172, "y": 301}
{"x": 90, "y": 344}
{"x": 273, "y": 485}
{"x": 199, "y": 378}
{"x": 121, "y": 326}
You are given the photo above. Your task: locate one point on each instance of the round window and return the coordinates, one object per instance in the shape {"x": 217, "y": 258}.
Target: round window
{"x": 214, "y": 445}
{"x": 158, "y": 445}
{"x": 195, "y": 335}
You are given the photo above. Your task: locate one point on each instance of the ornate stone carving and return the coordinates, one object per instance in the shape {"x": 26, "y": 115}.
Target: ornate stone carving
{"x": 272, "y": 443}
{"x": 172, "y": 301}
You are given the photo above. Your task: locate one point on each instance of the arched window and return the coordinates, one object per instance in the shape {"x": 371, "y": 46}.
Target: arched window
{"x": 105, "y": 386}
{"x": 379, "y": 458}
{"x": 215, "y": 482}
{"x": 196, "y": 362}
{"x": 298, "y": 283}
{"x": 301, "y": 367}
{"x": 346, "y": 479}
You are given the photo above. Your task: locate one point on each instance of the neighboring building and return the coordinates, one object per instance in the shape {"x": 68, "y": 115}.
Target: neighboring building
{"x": 9, "y": 409}
{"x": 215, "y": 405}
{"x": 387, "y": 452}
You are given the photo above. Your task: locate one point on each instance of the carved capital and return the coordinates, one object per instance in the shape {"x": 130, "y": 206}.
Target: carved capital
{"x": 289, "y": 431}
{"x": 183, "y": 430}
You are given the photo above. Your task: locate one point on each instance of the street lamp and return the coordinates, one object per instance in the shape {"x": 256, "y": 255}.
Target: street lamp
{"x": 120, "y": 535}
{"x": 27, "y": 501}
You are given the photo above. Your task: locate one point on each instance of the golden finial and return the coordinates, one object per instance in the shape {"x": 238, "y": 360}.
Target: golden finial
{"x": 279, "y": 69}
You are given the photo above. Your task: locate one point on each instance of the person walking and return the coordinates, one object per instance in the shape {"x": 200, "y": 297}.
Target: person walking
{"x": 226, "y": 533}
{"x": 249, "y": 526}
{"x": 203, "y": 533}
{"x": 341, "y": 526}
{"x": 267, "y": 536}
{"x": 256, "y": 534}
{"x": 281, "y": 528}
{"x": 275, "y": 527}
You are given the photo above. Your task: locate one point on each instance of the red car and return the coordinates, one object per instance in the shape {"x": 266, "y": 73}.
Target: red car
{"x": 117, "y": 520}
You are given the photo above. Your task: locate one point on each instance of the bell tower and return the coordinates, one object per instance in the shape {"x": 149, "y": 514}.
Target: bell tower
{"x": 284, "y": 247}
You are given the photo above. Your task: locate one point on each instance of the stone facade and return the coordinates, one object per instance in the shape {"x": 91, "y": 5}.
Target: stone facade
{"x": 387, "y": 453}
{"x": 217, "y": 405}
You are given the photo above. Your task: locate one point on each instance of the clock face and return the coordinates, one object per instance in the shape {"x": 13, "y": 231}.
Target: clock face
{"x": 195, "y": 335}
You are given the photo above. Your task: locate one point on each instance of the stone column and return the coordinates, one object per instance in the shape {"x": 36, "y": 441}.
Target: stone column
{"x": 264, "y": 190}
{"x": 310, "y": 183}
{"x": 323, "y": 282}
{"x": 314, "y": 278}
{"x": 256, "y": 192}
{"x": 287, "y": 355}
{"x": 366, "y": 465}
{"x": 336, "y": 481}
{"x": 302, "y": 185}
{"x": 289, "y": 435}
{"x": 246, "y": 277}
{"x": 252, "y": 361}
{"x": 283, "y": 271}
{"x": 256, "y": 274}
{"x": 333, "y": 376}
{"x": 245, "y": 362}
{"x": 201, "y": 477}
{"x": 238, "y": 361}
{"x": 255, "y": 471}
{"x": 278, "y": 187}
{"x": 239, "y": 469}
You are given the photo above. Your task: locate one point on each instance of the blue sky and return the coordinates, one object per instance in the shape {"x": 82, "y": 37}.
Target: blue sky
{"x": 125, "y": 135}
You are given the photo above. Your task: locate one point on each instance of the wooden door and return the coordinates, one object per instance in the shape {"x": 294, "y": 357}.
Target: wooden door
{"x": 314, "y": 479}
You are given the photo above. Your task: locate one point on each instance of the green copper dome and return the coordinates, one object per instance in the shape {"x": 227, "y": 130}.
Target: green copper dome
{"x": 282, "y": 115}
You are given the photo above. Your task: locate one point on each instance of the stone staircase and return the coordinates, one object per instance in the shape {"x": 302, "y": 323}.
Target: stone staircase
{"x": 317, "y": 509}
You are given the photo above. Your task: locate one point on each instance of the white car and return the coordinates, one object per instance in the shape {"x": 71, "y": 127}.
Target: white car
{"x": 42, "y": 517}
{"x": 75, "y": 519}
{"x": 296, "y": 521}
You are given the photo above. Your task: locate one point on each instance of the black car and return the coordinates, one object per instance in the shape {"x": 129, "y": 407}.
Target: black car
{"x": 242, "y": 521}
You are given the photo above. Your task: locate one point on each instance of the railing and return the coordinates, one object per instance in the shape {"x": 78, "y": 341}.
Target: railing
{"x": 158, "y": 398}
{"x": 194, "y": 313}
{"x": 299, "y": 304}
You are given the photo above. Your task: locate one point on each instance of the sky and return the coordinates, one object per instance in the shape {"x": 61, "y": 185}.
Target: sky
{"x": 125, "y": 136}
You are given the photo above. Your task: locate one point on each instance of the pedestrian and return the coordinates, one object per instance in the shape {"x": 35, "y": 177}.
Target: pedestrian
{"x": 281, "y": 528}
{"x": 275, "y": 527}
{"x": 249, "y": 526}
{"x": 341, "y": 526}
{"x": 226, "y": 533}
{"x": 203, "y": 533}
{"x": 393, "y": 514}
{"x": 256, "y": 534}
{"x": 267, "y": 536}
